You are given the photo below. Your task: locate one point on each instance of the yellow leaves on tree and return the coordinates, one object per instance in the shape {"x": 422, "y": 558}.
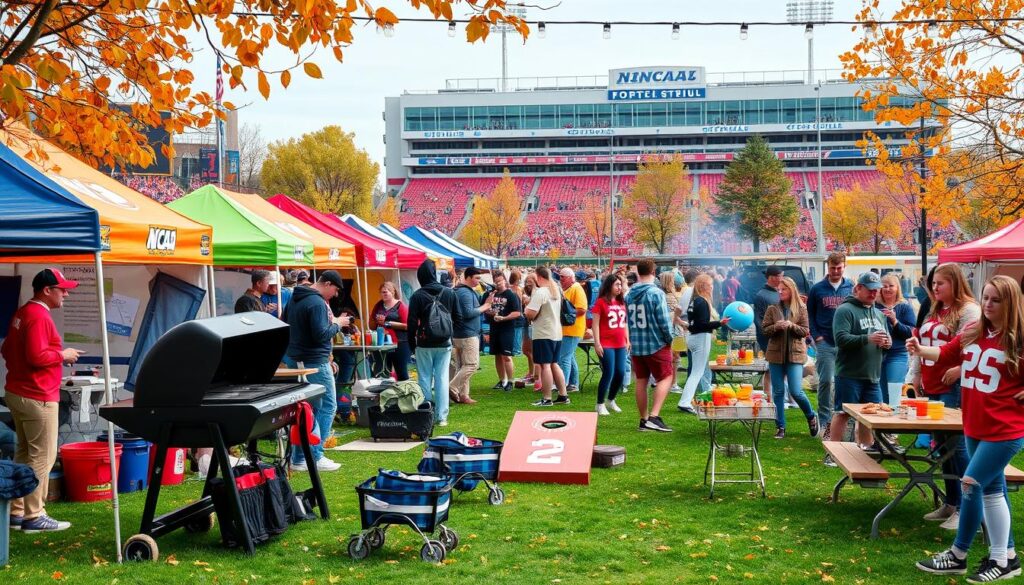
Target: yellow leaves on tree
{"x": 496, "y": 223}
{"x": 873, "y": 207}
{"x": 657, "y": 204}
{"x": 65, "y": 64}
{"x": 387, "y": 212}
{"x": 963, "y": 74}
{"x": 846, "y": 221}
{"x": 324, "y": 170}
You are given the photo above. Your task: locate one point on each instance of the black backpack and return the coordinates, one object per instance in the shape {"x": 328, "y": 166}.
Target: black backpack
{"x": 436, "y": 325}
{"x": 568, "y": 313}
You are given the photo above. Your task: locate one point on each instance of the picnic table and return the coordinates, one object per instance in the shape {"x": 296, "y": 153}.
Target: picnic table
{"x": 865, "y": 469}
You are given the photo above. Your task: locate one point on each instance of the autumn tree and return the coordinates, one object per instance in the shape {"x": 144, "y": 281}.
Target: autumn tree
{"x": 597, "y": 221}
{"x": 387, "y": 212}
{"x": 65, "y": 64}
{"x": 847, "y": 221}
{"x": 957, "y": 67}
{"x": 496, "y": 222}
{"x": 754, "y": 198}
{"x": 657, "y": 204}
{"x": 252, "y": 151}
{"x": 323, "y": 169}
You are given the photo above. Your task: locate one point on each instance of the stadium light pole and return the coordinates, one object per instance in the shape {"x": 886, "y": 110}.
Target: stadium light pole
{"x": 924, "y": 211}
{"x": 809, "y": 12}
{"x": 820, "y": 203}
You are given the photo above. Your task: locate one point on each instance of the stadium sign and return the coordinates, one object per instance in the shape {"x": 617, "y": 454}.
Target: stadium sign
{"x": 656, "y": 83}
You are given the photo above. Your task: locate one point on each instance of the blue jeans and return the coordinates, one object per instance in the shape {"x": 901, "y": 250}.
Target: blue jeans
{"x": 613, "y": 370}
{"x": 957, "y": 464}
{"x": 988, "y": 459}
{"x": 894, "y": 371}
{"x": 826, "y": 368}
{"x": 432, "y": 373}
{"x": 517, "y": 340}
{"x": 853, "y": 391}
{"x": 324, "y": 408}
{"x": 346, "y": 361}
{"x": 794, "y": 374}
{"x": 567, "y": 360}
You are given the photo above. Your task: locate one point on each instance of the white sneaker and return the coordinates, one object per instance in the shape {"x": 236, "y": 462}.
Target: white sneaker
{"x": 612, "y": 406}
{"x": 442, "y": 423}
{"x": 602, "y": 410}
{"x": 299, "y": 466}
{"x": 325, "y": 464}
{"x": 943, "y": 512}
{"x": 676, "y": 389}
{"x": 951, "y": 523}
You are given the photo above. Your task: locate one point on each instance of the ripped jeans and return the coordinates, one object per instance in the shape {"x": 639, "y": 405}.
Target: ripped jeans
{"x": 984, "y": 476}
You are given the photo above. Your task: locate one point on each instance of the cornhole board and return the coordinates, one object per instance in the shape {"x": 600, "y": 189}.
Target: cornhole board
{"x": 549, "y": 447}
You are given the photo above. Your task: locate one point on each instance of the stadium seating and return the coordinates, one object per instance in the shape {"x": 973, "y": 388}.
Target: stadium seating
{"x": 441, "y": 204}
{"x": 162, "y": 189}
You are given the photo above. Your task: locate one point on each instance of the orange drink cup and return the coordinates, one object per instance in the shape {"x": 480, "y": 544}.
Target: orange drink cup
{"x": 936, "y": 409}
{"x": 922, "y": 408}
{"x": 720, "y": 359}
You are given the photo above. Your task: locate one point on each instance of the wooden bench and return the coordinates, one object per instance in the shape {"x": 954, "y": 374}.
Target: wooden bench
{"x": 858, "y": 466}
{"x": 1014, "y": 478}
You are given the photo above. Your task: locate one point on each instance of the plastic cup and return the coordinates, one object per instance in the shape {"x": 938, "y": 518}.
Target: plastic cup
{"x": 720, "y": 360}
{"x": 936, "y": 409}
{"x": 922, "y": 408}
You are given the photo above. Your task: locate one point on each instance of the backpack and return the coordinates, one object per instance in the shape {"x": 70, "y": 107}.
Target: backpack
{"x": 437, "y": 324}
{"x": 567, "y": 315}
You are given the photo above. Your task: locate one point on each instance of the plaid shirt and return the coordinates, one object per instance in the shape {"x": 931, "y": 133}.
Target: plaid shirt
{"x": 650, "y": 325}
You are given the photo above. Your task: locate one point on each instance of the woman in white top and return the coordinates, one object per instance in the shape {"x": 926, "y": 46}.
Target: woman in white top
{"x": 543, "y": 312}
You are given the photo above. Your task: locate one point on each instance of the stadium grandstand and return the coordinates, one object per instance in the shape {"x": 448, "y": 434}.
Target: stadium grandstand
{"x": 567, "y": 139}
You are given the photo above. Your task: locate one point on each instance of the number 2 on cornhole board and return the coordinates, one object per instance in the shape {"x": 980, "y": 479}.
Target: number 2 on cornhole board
{"x": 549, "y": 447}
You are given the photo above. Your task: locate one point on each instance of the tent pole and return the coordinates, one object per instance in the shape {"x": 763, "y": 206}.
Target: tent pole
{"x": 280, "y": 284}
{"x": 108, "y": 396}
{"x": 212, "y": 293}
{"x": 366, "y": 320}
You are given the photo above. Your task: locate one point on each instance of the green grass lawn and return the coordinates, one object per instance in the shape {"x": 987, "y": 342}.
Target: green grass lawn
{"x": 648, "y": 522}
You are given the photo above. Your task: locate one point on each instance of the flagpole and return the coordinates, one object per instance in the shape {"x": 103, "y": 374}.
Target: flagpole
{"x": 220, "y": 127}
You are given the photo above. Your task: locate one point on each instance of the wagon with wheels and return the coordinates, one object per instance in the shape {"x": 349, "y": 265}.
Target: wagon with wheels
{"x": 468, "y": 460}
{"x": 418, "y": 501}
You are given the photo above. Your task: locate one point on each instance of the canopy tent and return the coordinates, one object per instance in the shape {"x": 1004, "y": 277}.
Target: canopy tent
{"x": 328, "y": 251}
{"x": 1001, "y": 252}
{"x": 426, "y": 238}
{"x": 39, "y": 218}
{"x": 442, "y": 261}
{"x": 409, "y": 258}
{"x": 453, "y": 243}
{"x": 243, "y": 238}
{"x": 429, "y": 246}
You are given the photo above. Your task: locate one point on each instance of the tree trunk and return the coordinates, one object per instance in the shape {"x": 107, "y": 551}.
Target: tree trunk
{"x": 757, "y": 244}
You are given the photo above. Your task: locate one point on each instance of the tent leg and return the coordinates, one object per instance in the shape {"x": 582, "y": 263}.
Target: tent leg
{"x": 211, "y": 292}
{"x": 108, "y": 396}
{"x": 280, "y": 284}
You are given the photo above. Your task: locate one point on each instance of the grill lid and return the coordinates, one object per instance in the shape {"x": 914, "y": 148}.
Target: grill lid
{"x": 196, "y": 356}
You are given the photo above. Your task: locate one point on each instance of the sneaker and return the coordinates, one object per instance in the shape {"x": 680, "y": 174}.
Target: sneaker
{"x": 686, "y": 409}
{"x": 612, "y": 406}
{"x": 643, "y": 425}
{"x": 571, "y": 388}
{"x": 562, "y": 400}
{"x": 825, "y": 434}
{"x": 507, "y": 387}
{"x": 944, "y": 563}
{"x": 301, "y": 466}
{"x": 325, "y": 464}
{"x": 498, "y": 386}
{"x": 17, "y": 520}
{"x": 829, "y": 461}
{"x": 951, "y": 523}
{"x": 812, "y": 426}
{"x": 1012, "y": 564}
{"x": 943, "y": 512}
{"x": 543, "y": 402}
{"x": 442, "y": 423}
{"x": 536, "y": 386}
{"x": 780, "y": 433}
{"x": 602, "y": 410}
{"x": 43, "y": 524}
{"x": 872, "y": 449}
{"x": 655, "y": 423}
{"x": 676, "y": 389}
{"x": 989, "y": 571}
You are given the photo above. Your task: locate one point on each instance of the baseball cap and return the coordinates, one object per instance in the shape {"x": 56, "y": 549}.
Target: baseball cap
{"x": 581, "y": 275}
{"x": 301, "y": 275}
{"x": 472, "y": 271}
{"x": 52, "y": 277}
{"x": 332, "y": 277}
{"x": 772, "y": 271}
{"x": 567, "y": 273}
{"x": 870, "y": 280}
{"x": 272, "y": 278}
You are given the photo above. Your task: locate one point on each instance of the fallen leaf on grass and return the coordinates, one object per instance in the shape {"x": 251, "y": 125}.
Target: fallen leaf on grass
{"x": 333, "y": 578}
{"x": 170, "y": 560}
{"x": 827, "y": 578}
{"x": 201, "y": 564}
{"x": 662, "y": 548}
{"x": 748, "y": 575}
{"x": 698, "y": 555}
{"x": 713, "y": 578}
{"x": 749, "y": 557}
{"x": 98, "y": 561}
{"x": 755, "y": 538}
{"x": 57, "y": 576}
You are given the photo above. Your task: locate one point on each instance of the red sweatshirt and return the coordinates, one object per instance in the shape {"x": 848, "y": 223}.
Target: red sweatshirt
{"x": 32, "y": 351}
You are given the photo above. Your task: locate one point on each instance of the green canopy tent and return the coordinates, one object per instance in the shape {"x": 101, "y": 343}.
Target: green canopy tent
{"x": 242, "y": 238}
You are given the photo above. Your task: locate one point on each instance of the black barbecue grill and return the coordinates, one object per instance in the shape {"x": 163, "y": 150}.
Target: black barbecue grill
{"x": 209, "y": 383}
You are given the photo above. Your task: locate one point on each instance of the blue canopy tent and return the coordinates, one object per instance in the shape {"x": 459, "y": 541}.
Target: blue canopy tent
{"x": 491, "y": 261}
{"x": 425, "y": 238}
{"x": 40, "y": 219}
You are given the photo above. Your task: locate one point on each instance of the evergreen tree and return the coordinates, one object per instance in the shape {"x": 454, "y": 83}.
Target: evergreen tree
{"x": 754, "y": 198}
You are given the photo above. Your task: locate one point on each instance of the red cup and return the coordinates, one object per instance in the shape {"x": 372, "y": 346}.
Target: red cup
{"x": 922, "y": 408}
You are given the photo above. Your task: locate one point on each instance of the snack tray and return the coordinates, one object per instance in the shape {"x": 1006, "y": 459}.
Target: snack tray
{"x": 763, "y": 411}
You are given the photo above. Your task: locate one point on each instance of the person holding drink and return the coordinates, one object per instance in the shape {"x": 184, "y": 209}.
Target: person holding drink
{"x": 987, "y": 355}
{"x": 900, "y": 316}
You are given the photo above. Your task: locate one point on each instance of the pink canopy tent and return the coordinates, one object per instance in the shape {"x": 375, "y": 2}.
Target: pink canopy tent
{"x": 1001, "y": 252}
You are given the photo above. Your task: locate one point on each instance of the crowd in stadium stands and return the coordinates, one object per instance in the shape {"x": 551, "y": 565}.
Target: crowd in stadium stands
{"x": 162, "y": 189}
{"x": 442, "y": 203}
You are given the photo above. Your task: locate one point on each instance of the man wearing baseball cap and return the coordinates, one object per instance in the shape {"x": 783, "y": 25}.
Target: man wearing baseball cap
{"x": 34, "y": 355}
{"x": 766, "y": 297}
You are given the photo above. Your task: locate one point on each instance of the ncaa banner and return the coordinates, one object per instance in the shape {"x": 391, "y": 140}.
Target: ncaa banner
{"x": 656, "y": 83}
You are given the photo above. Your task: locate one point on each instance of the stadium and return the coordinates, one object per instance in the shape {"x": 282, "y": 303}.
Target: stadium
{"x": 567, "y": 139}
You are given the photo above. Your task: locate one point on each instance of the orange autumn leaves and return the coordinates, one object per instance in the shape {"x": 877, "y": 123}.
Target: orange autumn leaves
{"x": 65, "y": 63}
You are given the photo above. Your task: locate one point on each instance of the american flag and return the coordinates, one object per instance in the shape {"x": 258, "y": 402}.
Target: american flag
{"x": 220, "y": 82}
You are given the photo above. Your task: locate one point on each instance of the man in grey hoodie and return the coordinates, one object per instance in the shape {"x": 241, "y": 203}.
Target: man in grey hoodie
{"x": 862, "y": 335}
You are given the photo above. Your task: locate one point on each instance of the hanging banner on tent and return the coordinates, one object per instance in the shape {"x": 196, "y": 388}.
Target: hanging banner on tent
{"x": 80, "y": 313}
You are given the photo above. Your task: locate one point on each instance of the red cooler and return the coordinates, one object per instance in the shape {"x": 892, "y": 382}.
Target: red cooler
{"x": 174, "y": 465}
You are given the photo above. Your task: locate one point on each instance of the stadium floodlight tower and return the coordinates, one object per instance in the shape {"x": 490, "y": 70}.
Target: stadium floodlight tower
{"x": 518, "y": 11}
{"x": 809, "y": 12}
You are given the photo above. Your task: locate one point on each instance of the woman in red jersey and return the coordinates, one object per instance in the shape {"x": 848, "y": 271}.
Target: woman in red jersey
{"x": 611, "y": 341}
{"x": 953, "y": 308}
{"x": 988, "y": 353}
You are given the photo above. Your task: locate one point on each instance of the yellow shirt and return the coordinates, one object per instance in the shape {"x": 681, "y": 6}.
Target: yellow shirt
{"x": 578, "y": 298}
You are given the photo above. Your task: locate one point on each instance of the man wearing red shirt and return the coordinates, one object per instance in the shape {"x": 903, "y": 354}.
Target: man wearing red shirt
{"x": 34, "y": 355}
